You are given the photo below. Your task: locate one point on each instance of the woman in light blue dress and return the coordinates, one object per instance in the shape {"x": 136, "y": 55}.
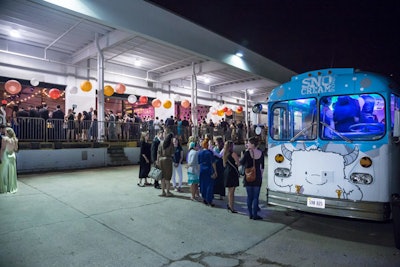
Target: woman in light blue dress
{"x": 8, "y": 169}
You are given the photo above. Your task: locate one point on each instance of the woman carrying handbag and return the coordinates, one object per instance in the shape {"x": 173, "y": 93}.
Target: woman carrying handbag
{"x": 253, "y": 157}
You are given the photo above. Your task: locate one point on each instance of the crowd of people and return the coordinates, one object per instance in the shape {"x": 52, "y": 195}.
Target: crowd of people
{"x": 212, "y": 168}
{"x": 8, "y": 164}
{"x": 53, "y": 124}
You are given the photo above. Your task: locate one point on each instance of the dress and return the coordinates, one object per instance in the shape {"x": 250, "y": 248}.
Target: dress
{"x": 144, "y": 169}
{"x": 206, "y": 159}
{"x": 8, "y": 169}
{"x": 165, "y": 159}
{"x": 219, "y": 186}
{"x": 193, "y": 167}
{"x": 231, "y": 173}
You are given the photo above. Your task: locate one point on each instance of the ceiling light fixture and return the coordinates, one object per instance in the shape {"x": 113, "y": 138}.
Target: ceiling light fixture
{"x": 207, "y": 80}
{"x": 15, "y": 33}
{"x": 138, "y": 62}
{"x": 239, "y": 54}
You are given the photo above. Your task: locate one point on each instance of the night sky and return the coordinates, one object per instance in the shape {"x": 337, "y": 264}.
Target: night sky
{"x": 305, "y": 35}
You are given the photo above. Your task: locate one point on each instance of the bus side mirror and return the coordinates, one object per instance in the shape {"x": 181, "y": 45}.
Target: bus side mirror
{"x": 257, "y": 108}
{"x": 396, "y": 126}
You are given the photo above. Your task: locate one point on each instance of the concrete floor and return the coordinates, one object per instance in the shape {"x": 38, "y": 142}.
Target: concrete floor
{"x": 100, "y": 217}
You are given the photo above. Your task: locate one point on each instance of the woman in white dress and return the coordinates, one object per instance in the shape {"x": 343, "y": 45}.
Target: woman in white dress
{"x": 9, "y": 146}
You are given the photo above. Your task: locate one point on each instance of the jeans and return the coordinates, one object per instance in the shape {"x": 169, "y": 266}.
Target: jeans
{"x": 253, "y": 193}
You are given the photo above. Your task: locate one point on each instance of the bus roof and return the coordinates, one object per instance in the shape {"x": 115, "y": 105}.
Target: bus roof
{"x": 336, "y": 81}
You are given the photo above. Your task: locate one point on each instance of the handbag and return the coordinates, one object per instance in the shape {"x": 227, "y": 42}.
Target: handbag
{"x": 155, "y": 173}
{"x": 250, "y": 173}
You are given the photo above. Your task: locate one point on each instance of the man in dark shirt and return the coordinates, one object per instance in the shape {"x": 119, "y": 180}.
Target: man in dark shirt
{"x": 154, "y": 148}
{"x": 58, "y": 121}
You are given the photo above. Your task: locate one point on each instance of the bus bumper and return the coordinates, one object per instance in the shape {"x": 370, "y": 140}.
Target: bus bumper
{"x": 375, "y": 211}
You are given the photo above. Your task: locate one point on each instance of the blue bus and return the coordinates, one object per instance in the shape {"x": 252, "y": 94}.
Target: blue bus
{"x": 333, "y": 143}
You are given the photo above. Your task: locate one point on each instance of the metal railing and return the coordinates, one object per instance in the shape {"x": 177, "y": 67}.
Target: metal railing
{"x": 58, "y": 130}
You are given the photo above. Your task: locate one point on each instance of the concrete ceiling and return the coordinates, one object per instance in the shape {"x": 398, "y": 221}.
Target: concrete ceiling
{"x": 167, "y": 46}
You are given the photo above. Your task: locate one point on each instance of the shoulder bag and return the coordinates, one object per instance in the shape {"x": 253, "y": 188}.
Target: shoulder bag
{"x": 250, "y": 173}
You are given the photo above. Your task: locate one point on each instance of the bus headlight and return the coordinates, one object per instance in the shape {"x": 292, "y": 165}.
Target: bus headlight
{"x": 361, "y": 178}
{"x": 282, "y": 172}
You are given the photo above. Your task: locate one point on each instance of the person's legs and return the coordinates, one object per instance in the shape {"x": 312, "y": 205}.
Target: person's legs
{"x": 250, "y": 197}
{"x": 231, "y": 197}
{"x": 210, "y": 191}
{"x": 163, "y": 187}
{"x": 180, "y": 174}
{"x": 256, "y": 192}
{"x": 174, "y": 170}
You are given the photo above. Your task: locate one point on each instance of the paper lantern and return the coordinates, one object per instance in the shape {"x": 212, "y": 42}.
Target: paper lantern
{"x": 34, "y": 82}
{"x": 156, "y": 103}
{"x": 13, "y": 87}
{"x": 54, "y": 93}
{"x": 86, "y": 86}
{"x": 4, "y": 102}
{"x": 228, "y": 112}
{"x": 214, "y": 113}
{"x": 73, "y": 90}
{"x": 220, "y": 112}
{"x": 185, "y": 103}
{"x": 240, "y": 108}
{"x": 143, "y": 99}
{"x": 120, "y": 88}
{"x": 132, "y": 99}
{"x": 108, "y": 90}
{"x": 167, "y": 104}
{"x": 225, "y": 109}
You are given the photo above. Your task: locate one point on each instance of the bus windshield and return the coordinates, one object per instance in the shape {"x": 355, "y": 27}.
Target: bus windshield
{"x": 341, "y": 117}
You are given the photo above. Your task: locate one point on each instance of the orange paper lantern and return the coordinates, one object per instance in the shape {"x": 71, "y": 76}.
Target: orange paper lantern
{"x": 228, "y": 112}
{"x": 108, "y": 90}
{"x": 120, "y": 88}
{"x": 220, "y": 112}
{"x": 54, "y": 93}
{"x": 86, "y": 86}
{"x": 185, "y": 103}
{"x": 143, "y": 99}
{"x": 156, "y": 103}
{"x": 167, "y": 104}
{"x": 13, "y": 87}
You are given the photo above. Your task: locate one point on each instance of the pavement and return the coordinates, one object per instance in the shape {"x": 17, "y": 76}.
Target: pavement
{"x": 100, "y": 217}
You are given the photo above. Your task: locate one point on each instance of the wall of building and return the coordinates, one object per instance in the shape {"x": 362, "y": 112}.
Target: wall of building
{"x": 65, "y": 159}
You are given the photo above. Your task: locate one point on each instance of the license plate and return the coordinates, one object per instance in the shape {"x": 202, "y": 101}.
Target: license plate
{"x": 316, "y": 203}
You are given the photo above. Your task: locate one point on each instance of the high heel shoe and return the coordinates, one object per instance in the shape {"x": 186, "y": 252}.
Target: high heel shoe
{"x": 231, "y": 210}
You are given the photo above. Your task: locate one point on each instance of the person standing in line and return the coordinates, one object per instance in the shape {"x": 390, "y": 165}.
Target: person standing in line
{"x": 253, "y": 188}
{"x": 8, "y": 167}
{"x": 164, "y": 161}
{"x": 145, "y": 157}
{"x": 177, "y": 166}
{"x": 58, "y": 120}
{"x": 208, "y": 173}
{"x": 154, "y": 148}
{"x": 193, "y": 170}
{"x": 231, "y": 173}
{"x": 70, "y": 119}
{"x": 219, "y": 186}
